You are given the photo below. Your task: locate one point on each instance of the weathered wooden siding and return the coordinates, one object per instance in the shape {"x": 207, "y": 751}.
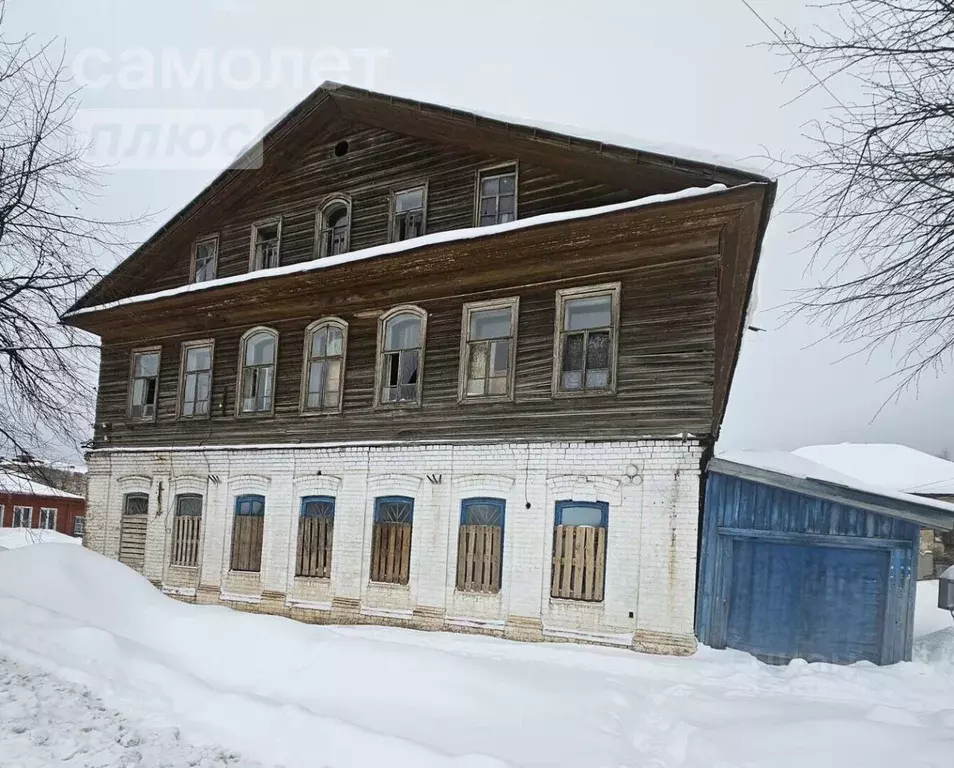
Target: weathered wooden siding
{"x": 378, "y": 161}
{"x": 785, "y": 575}
{"x": 665, "y": 371}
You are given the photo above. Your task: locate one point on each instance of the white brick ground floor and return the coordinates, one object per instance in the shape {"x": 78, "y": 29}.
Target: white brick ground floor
{"x": 652, "y": 488}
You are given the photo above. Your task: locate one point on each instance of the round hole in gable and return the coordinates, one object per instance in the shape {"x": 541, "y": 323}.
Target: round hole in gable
{"x": 341, "y": 148}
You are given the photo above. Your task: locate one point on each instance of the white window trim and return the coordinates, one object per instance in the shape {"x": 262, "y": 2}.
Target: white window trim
{"x": 512, "y": 303}
{"x": 586, "y": 291}
{"x": 83, "y": 525}
{"x": 240, "y": 381}
{"x": 271, "y": 221}
{"x": 48, "y": 509}
{"x": 497, "y": 170}
{"x": 131, "y": 383}
{"x": 183, "y": 351}
{"x": 337, "y": 322}
{"x": 321, "y": 223}
{"x": 393, "y": 203}
{"x": 379, "y": 363}
{"x": 215, "y": 258}
{"x": 18, "y": 511}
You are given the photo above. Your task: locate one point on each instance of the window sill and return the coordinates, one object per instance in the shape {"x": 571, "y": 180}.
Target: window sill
{"x": 482, "y": 596}
{"x": 485, "y": 399}
{"x": 310, "y": 414}
{"x": 256, "y": 415}
{"x": 313, "y": 579}
{"x": 187, "y": 568}
{"x": 559, "y": 394}
{"x": 397, "y": 406}
{"x": 589, "y": 605}
{"x": 387, "y": 586}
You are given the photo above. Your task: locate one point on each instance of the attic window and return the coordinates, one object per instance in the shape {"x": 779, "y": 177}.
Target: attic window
{"x": 497, "y": 195}
{"x": 341, "y": 149}
{"x": 408, "y": 213}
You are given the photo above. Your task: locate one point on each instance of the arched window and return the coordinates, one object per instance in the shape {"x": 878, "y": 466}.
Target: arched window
{"x": 323, "y": 377}
{"x": 334, "y": 227}
{"x": 186, "y": 529}
{"x": 401, "y": 335}
{"x": 258, "y": 355}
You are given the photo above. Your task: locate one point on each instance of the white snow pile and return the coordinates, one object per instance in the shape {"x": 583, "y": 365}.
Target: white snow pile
{"x": 14, "y": 538}
{"x": 266, "y": 689}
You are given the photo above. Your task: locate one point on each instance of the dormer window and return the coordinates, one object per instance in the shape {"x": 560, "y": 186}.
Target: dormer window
{"x": 408, "y": 213}
{"x": 204, "y": 258}
{"x": 334, "y": 228}
{"x": 266, "y": 243}
{"x": 497, "y": 195}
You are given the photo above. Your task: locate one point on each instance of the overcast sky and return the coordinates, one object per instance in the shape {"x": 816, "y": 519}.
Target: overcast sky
{"x": 685, "y": 72}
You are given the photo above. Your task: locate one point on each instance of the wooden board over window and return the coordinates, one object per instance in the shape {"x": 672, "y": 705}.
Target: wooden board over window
{"x": 391, "y": 540}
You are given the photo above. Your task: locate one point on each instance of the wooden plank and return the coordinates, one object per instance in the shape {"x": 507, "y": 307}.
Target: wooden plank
{"x": 600, "y": 563}
{"x": 579, "y": 561}
{"x": 556, "y": 561}
{"x": 405, "y": 553}
{"x": 314, "y": 553}
{"x": 568, "y": 541}
{"x": 391, "y": 566}
{"x": 495, "y": 560}
{"x": 589, "y": 562}
{"x": 462, "y": 558}
{"x": 486, "y": 534}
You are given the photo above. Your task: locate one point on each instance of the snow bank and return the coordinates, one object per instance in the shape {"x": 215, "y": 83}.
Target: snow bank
{"x": 291, "y": 694}
{"x": 14, "y": 538}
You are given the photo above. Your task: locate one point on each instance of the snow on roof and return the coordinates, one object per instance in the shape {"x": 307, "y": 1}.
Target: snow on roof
{"x": 792, "y": 465}
{"x": 471, "y": 233}
{"x": 13, "y": 483}
{"x": 626, "y": 141}
{"x": 886, "y": 464}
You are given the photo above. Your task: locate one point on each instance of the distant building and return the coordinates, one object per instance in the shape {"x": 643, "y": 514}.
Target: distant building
{"x": 25, "y": 503}
{"x": 898, "y": 468}
{"x": 57, "y": 474}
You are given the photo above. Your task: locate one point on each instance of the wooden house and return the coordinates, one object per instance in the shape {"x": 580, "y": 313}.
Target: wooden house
{"x": 26, "y": 503}
{"x": 427, "y": 368}
{"x": 801, "y": 561}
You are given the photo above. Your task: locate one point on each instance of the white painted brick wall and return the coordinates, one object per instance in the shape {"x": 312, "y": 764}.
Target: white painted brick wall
{"x": 652, "y": 488}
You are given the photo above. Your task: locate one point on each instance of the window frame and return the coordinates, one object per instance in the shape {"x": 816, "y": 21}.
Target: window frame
{"x": 131, "y": 383}
{"x": 176, "y": 515}
{"x": 256, "y": 226}
{"x": 501, "y": 504}
{"x": 303, "y": 501}
{"x": 321, "y": 224}
{"x": 492, "y": 171}
{"x": 55, "y": 513}
{"x": 312, "y": 328}
{"x": 375, "y": 521}
{"x": 215, "y": 259}
{"x": 16, "y": 520}
{"x": 235, "y": 515}
{"x": 240, "y": 381}
{"x": 463, "y": 374}
{"x": 423, "y": 185}
{"x": 603, "y": 507}
{"x": 379, "y": 362}
{"x": 183, "y": 356}
{"x": 563, "y": 295}
{"x": 81, "y": 519}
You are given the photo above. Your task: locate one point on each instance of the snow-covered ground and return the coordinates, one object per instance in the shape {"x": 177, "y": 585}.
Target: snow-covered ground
{"x": 14, "y": 538}
{"x": 93, "y": 658}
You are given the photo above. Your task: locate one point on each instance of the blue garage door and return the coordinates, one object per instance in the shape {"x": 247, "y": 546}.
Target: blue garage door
{"x": 815, "y": 603}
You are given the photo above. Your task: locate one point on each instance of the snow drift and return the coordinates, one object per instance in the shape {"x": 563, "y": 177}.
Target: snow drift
{"x": 297, "y": 695}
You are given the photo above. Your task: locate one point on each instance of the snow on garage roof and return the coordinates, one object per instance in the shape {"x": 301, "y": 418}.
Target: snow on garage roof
{"x": 886, "y": 464}
{"x": 821, "y": 481}
{"x": 18, "y": 484}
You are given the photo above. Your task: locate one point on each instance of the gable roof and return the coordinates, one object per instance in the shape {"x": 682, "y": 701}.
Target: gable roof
{"x": 628, "y": 166}
{"x": 886, "y": 464}
{"x": 24, "y": 486}
{"x": 801, "y": 475}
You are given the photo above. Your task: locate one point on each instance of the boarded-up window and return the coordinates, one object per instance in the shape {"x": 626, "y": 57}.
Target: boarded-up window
{"x": 391, "y": 539}
{"x": 132, "y": 533}
{"x": 247, "y": 530}
{"x": 316, "y": 526}
{"x": 186, "y": 529}
{"x": 480, "y": 545}
{"x": 579, "y": 550}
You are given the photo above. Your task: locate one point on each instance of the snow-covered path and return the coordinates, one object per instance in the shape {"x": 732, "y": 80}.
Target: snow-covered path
{"x": 300, "y": 696}
{"x": 47, "y": 721}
